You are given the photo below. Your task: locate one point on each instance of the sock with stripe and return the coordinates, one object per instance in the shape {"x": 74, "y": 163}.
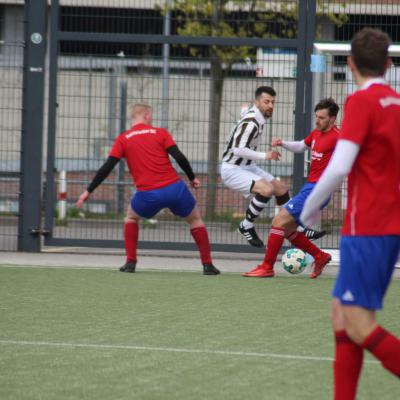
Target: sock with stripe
{"x": 131, "y": 233}
{"x": 257, "y": 204}
{"x": 386, "y": 348}
{"x": 275, "y": 240}
{"x": 200, "y": 236}
{"x": 346, "y": 366}
{"x": 299, "y": 240}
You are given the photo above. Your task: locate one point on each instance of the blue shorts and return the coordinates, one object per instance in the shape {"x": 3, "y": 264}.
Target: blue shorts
{"x": 295, "y": 205}
{"x": 176, "y": 197}
{"x": 366, "y": 266}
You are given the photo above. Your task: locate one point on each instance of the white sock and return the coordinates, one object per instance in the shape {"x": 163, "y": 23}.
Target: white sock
{"x": 247, "y": 224}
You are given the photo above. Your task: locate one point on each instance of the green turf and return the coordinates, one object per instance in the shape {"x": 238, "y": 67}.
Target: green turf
{"x": 171, "y": 310}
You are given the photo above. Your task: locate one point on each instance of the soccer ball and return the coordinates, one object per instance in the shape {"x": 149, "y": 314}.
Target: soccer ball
{"x": 294, "y": 261}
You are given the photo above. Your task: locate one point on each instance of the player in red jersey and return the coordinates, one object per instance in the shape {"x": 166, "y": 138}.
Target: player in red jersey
{"x": 369, "y": 151}
{"x": 146, "y": 149}
{"x": 322, "y": 141}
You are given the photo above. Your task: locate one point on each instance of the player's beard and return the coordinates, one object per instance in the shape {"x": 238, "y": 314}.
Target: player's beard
{"x": 325, "y": 127}
{"x": 268, "y": 114}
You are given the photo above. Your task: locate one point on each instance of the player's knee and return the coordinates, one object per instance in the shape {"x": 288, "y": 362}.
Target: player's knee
{"x": 337, "y": 318}
{"x": 355, "y": 333}
{"x": 280, "y": 188}
{"x": 194, "y": 219}
{"x": 265, "y": 189}
{"x": 358, "y": 329}
{"x": 131, "y": 219}
{"x": 195, "y": 223}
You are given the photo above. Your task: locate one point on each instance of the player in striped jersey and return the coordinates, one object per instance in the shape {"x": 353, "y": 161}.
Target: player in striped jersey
{"x": 240, "y": 172}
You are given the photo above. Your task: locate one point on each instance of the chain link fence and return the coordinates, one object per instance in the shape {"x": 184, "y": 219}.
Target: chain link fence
{"x": 11, "y": 87}
{"x": 98, "y": 74}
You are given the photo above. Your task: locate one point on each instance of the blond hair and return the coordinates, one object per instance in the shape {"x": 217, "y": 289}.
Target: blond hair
{"x": 138, "y": 109}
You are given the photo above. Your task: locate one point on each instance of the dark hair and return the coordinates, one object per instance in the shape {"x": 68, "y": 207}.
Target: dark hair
{"x": 264, "y": 89}
{"x": 328, "y": 104}
{"x": 369, "y": 51}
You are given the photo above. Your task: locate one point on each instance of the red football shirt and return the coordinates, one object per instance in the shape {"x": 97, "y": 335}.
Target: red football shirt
{"x": 322, "y": 146}
{"x": 144, "y": 148}
{"x": 372, "y": 120}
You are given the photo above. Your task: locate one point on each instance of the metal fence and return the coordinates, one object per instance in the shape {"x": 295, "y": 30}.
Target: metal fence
{"x": 11, "y": 87}
{"x": 105, "y": 55}
{"x": 96, "y": 78}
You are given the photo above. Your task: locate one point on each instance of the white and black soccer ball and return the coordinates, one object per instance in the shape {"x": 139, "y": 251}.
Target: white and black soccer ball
{"x": 294, "y": 261}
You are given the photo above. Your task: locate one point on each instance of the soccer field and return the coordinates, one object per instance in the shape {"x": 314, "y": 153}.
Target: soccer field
{"x": 98, "y": 334}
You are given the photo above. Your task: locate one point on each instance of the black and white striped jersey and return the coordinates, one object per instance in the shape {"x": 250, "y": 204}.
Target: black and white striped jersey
{"x": 245, "y": 134}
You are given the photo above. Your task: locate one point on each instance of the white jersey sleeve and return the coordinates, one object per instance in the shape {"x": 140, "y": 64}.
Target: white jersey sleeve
{"x": 295, "y": 146}
{"x": 249, "y": 154}
{"x": 339, "y": 166}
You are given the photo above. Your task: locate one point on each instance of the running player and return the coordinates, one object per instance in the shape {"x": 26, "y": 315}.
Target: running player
{"x": 239, "y": 171}
{"x": 369, "y": 151}
{"x": 146, "y": 149}
{"x": 322, "y": 141}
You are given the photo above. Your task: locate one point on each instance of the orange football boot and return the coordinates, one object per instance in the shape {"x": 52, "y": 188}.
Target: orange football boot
{"x": 319, "y": 264}
{"x": 261, "y": 271}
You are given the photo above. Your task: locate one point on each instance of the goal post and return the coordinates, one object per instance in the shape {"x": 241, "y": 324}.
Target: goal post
{"x": 319, "y": 69}
{"x": 319, "y": 63}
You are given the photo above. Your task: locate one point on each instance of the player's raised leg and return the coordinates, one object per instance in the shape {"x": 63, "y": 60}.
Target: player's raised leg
{"x": 284, "y": 225}
{"x": 263, "y": 191}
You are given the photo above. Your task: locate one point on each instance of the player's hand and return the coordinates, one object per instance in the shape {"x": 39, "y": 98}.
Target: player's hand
{"x": 273, "y": 155}
{"x": 309, "y": 216}
{"x": 195, "y": 183}
{"x": 82, "y": 198}
{"x": 276, "y": 142}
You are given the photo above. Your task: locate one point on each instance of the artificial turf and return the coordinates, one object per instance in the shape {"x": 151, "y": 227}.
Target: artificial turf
{"x": 68, "y": 333}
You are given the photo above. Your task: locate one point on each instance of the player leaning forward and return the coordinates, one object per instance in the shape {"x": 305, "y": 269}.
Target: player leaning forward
{"x": 146, "y": 149}
{"x": 369, "y": 151}
{"x": 239, "y": 171}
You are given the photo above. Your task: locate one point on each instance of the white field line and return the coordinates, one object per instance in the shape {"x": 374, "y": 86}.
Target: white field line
{"x": 170, "y": 350}
{"x": 54, "y": 266}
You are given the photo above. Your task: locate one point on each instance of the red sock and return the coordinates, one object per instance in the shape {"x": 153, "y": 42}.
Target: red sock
{"x": 131, "y": 233}
{"x": 275, "y": 240}
{"x": 385, "y": 347}
{"x": 299, "y": 240}
{"x": 346, "y": 367}
{"x": 200, "y": 236}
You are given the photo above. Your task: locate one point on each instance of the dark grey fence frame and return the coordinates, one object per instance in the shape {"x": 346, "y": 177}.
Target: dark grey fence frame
{"x": 30, "y": 195}
{"x": 30, "y": 229}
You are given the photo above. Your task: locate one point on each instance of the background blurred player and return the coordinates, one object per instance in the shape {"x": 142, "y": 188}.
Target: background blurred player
{"x": 239, "y": 171}
{"x": 322, "y": 141}
{"x": 369, "y": 151}
{"x": 146, "y": 149}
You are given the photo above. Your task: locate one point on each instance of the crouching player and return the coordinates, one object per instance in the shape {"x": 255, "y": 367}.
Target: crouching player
{"x": 146, "y": 149}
